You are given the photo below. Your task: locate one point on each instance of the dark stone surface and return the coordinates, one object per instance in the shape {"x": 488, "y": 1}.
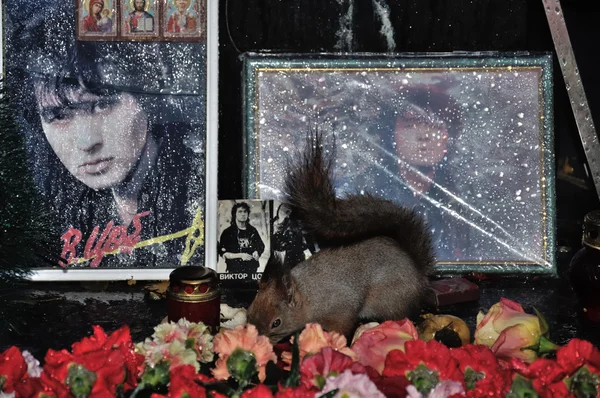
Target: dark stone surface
{"x": 37, "y": 317}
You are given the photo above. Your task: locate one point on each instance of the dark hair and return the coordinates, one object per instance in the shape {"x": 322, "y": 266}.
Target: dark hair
{"x": 234, "y": 209}
{"x": 45, "y": 59}
{"x": 433, "y": 99}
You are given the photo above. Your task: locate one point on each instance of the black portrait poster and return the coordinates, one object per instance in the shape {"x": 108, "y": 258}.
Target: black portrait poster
{"x": 115, "y": 134}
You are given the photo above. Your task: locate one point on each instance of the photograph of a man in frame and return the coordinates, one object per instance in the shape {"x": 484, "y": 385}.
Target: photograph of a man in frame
{"x": 119, "y": 157}
{"x": 460, "y": 147}
{"x": 243, "y": 237}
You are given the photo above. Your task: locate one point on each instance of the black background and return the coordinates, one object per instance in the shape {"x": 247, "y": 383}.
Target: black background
{"x": 305, "y": 26}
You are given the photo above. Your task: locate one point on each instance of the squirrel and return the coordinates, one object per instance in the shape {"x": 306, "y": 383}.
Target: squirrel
{"x": 374, "y": 259}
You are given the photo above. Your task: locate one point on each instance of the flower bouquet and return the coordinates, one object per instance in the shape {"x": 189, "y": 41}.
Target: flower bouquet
{"x": 509, "y": 357}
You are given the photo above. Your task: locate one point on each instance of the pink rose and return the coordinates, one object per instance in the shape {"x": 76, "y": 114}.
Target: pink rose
{"x": 373, "y": 345}
{"x": 509, "y": 331}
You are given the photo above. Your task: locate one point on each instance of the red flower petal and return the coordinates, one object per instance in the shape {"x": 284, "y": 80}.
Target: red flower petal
{"x": 12, "y": 367}
{"x": 260, "y": 391}
{"x": 324, "y": 363}
{"x": 432, "y": 354}
{"x": 577, "y": 353}
{"x": 297, "y": 392}
{"x": 183, "y": 382}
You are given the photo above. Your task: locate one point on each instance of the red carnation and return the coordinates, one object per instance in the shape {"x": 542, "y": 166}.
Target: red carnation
{"x": 183, "y": 381}
{"x": 31, "y": 387}
{"x": 434, "y": 355}
{"x": 43, "y": 386}
{"x": 317, "y": 367}
{"x": 111, "y": 359}
{"x": 56, "y": 364}
{"x": 391, "y": 387}
{"x": 260, "y": 391}
{"x": 482, "y": 373}
{"x": 576, "y": 354}
{"x": 12, "y": 369}
{"x": 296, "y": 392}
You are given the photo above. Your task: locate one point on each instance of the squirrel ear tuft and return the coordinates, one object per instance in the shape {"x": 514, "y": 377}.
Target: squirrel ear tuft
{"x": 273, "y": 270}
{"x": 288, "y": 284}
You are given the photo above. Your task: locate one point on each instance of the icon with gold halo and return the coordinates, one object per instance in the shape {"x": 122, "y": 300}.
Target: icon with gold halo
{"x": 139, "y": 18}
{"x": 97, "y": 18}
{"x": 184, "y": 18}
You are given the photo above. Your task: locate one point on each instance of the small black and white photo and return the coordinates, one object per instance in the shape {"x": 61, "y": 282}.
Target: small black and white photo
{"x": 243, "y": 238}
{"x": 289, "y": 242}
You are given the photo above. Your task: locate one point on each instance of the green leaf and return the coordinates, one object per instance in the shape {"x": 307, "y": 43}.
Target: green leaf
{"x": 156, "y": 376}
{"x": 80, "y": 380}
{"x": 521, "y": 388}
{"x": 329, "y": 394}
{"x": 294, "y": 377}
{"x": 242, "y": 366}
{"x": 544, "y": 328}
{"x": 546, "y": 347}
{"x": 583, "y": 383}
{"x": 472, "y": 377}
{"x": 320, "y": 381}
{"x": 423, "y": 378}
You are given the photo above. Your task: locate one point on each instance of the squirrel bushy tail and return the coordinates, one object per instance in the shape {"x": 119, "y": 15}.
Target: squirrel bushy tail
{"x": 341, "y": 221}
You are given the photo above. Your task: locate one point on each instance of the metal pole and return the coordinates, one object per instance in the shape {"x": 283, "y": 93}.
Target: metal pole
{"x": 574, "y": 85}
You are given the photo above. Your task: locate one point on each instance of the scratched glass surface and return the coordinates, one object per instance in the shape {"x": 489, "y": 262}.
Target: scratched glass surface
{"x": 115, "y": 134}
{"x": 463, "y": 147}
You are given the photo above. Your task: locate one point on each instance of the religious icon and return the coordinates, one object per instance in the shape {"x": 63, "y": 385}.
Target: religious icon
{"x": 184, "y": 19}
{"x": 139, "y": 18}
{"x": 96, "y": 19}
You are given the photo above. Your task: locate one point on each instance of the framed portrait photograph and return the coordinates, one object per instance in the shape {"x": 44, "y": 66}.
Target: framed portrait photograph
{"x": 251, "y": 231}
{"x": 97, "y": 19}
{"x": 140, "y": 18}
{"x": 120, "y": 139}
{"x": 243, "y": 239}
{"x": 464, "y": 139}
{"x": 183, "y": 19}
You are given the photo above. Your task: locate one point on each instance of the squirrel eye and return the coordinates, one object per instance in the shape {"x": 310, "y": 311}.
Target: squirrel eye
{"x": 276, "y": 323}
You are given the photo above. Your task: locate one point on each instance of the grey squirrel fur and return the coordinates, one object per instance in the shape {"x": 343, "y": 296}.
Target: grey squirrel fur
{"x": 374, "y": 261}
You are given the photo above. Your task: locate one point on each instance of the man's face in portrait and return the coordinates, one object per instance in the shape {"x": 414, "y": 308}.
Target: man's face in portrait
{"x": 421, "y": 137}
{"x": 181, "y": 5}
{"x": 241, "y": 215}
{"x": 98, "y": 139}
{"x": 139, "y": 5}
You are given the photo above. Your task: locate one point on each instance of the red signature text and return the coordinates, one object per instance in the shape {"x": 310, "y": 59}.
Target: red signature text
{"x": 112, "y": 238}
